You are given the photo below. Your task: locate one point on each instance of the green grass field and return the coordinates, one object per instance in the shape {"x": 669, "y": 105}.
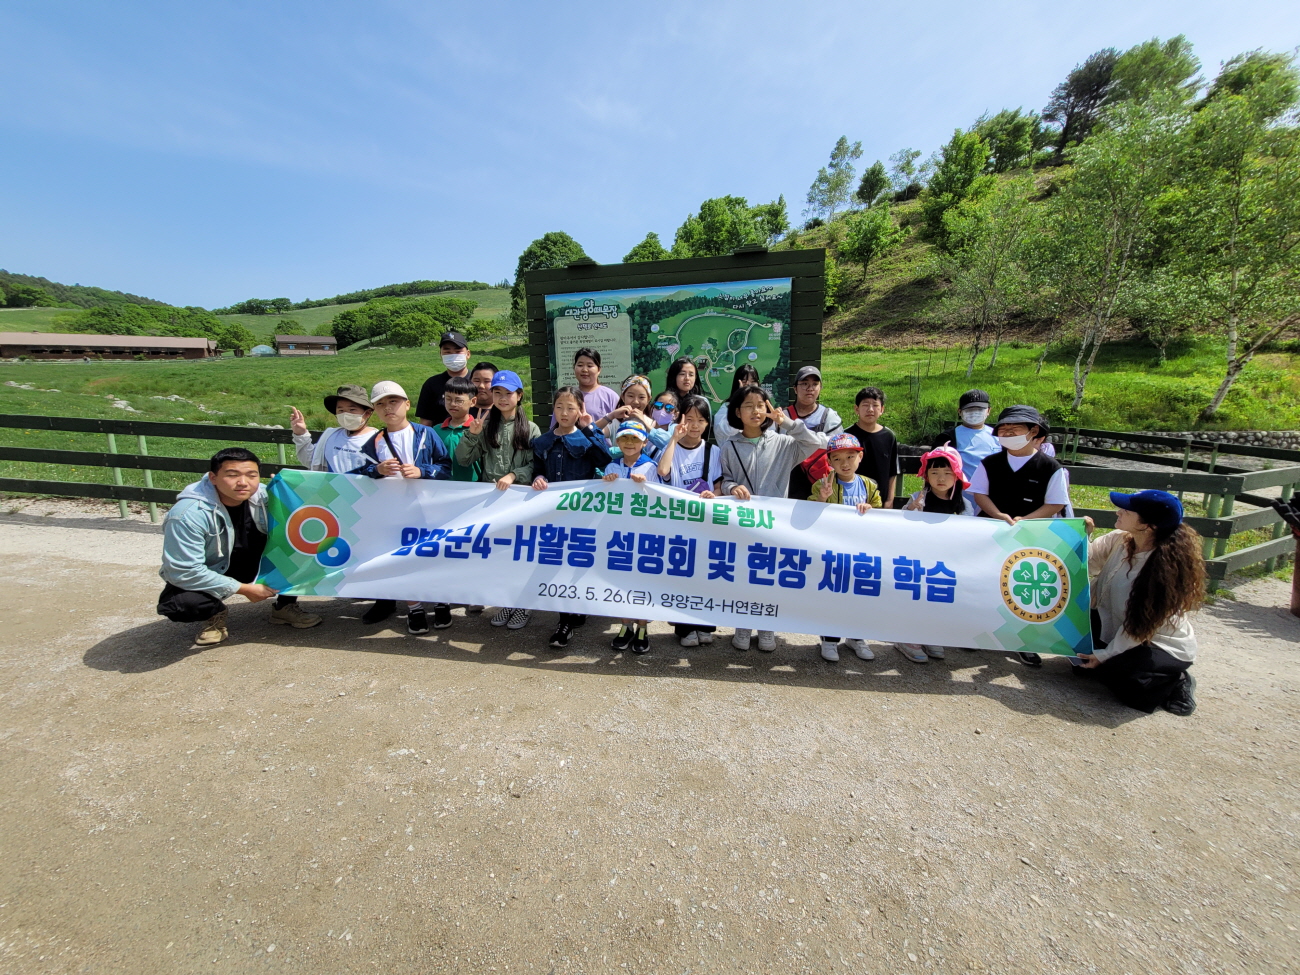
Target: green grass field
{"x": 32, "y": 319}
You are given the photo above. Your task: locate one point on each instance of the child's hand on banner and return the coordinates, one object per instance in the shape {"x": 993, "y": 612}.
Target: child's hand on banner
{"x": 540, "y": 484}
{"x": 505, "y": 480}
{"x": 740, "y": 492}
{"x": 706, "y": 495}
{"x": 297, "y": 423}
{"x": 612, "y": 476}
{"x": 410, "y": 470}
{"x": 863, "y": 507}
{"x": 639, "y": 478}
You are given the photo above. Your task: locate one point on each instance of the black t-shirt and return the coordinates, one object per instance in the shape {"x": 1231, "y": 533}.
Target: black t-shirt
{"x": 430, "y": 406}
{"x": 246, "y": 556}
{"x": 879, "y": 456}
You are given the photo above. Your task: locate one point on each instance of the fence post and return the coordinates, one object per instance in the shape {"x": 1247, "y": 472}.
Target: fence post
{"x": 117, "y": 476}
{"x": 148, "y": 481}
{"x": 1280, "y": 529}
{"x": 280, "y": 451}
{"x": 1214, "y": 459}
{"x": 1187, "y": 457}
{"x": 1221, "y": 544}
{"x": 1211, "y": 511}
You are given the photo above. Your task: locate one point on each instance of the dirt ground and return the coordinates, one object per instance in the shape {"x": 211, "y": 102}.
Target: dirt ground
{"x": 350, "y": 798}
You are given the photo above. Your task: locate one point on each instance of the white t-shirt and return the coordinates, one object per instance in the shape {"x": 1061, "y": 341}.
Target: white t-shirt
{"x": 403, "y": 440}
{"x": 1058, "y": 488}
{"x": 1113, "y": 576}
{"x": 342, "y": 450}
{"x": 688, "y": 468}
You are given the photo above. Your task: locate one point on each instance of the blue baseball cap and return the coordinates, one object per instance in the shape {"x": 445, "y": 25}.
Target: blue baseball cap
{"x": 843, "y": 441}
{"x": 630, "y": 428}
{"x": 507, "y": 380}
{"x": 1159, "y": 509}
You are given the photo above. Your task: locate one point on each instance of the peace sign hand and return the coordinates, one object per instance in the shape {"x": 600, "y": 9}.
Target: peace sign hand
{"x": 476, "y": 424}
{"x": 824, "y": 487}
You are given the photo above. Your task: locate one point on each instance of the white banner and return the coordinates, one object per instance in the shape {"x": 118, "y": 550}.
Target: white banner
{"x": 642, "y": 551}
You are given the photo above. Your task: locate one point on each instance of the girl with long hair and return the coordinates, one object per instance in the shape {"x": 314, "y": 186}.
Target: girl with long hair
{"x": 1147, "y": 576}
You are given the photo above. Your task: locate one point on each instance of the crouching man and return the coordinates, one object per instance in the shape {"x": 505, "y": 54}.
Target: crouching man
{"x": 213, "y": 539}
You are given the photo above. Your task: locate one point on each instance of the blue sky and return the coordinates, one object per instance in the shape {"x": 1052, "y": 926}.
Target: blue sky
{"x": 205, "y": 153}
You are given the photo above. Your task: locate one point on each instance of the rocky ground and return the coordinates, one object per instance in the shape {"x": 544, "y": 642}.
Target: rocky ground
{"x": 352, "y": 798}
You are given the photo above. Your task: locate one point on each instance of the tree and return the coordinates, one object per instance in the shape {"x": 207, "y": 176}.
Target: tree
{"x": 1239, "y": 254}
{"x": 1108, "y": 213}
{"x": 1156, "y": 66}
{"x": 988, "y": 238}
{"x": 1011, "y": 138}
{"x": 830, "y": 190}
{"x": 232, "y": 336}
{"x": 874, "y": 182}
{"x": 772, "y": 220}
{"x": 904, "y": 172}
{"x": 554, "y": 249}
{"x": 726, "y": 222}
{"x": 871, "y": 234}
{"x": 279, "y": 306}
{"x": 958, "y": 177}
{"x": 1077, "y": 101}
{"x": 28, "y": 296}
{"x": 648, "y": 250}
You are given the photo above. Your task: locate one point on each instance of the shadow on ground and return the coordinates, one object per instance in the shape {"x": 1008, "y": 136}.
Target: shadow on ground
{"x": 1052, "y": 690}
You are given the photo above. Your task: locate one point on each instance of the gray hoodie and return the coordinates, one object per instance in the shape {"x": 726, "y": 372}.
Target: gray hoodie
{"x": 198, "y": 537}
{"x": 765, "y": 467}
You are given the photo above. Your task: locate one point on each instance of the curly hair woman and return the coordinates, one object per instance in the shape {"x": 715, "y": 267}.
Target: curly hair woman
{"x": 1147, "y": 576}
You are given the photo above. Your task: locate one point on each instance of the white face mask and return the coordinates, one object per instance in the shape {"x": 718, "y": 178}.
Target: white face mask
{"x": 455, "y": 363}
{"x": 351, "y": 422}
{"x": 1014, "y": 443}
{"x": 974, "y": 415}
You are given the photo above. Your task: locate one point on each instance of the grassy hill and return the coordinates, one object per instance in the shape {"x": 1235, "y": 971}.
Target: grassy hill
{"x": 79, "y": 295}
{"x": 33, "y": 319}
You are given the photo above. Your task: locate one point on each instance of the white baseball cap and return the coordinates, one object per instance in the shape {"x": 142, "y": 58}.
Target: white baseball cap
{"x": 387, "y": 388}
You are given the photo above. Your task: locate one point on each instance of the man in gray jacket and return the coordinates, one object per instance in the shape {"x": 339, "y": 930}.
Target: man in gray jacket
{"x": 213, "y": 539}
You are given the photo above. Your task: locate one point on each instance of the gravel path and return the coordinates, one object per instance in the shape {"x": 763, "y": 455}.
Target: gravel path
{"x": 351, "y": 798}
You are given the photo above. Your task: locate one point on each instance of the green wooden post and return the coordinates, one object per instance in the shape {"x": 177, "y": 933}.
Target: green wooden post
{"x": 280, "y": 451}
{"x": 1221, "y": 544}
{"x": 148, "y": 481}
{"x": 117, "y": 475}
{"x": 1280, "y": 529}
{"x": 1211, "y": 511}
{"x": 1187, "y": 457}
{"x": 1074, "y": 458}
{"x": 1214, "y": 459}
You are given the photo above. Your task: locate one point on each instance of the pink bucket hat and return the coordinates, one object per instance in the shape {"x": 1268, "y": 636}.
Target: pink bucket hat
{"x": 951, "y": 456}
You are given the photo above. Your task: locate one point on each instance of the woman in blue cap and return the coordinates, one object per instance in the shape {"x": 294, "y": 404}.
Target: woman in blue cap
{"x": 1147, "y": 575}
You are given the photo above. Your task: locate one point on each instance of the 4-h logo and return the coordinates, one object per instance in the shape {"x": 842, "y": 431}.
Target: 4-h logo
{"x": 330, "y": 550}
{"x": 1035, "y": 585}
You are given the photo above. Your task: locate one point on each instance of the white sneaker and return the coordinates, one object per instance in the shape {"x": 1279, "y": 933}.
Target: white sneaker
{"x": 767, "y": 640}
{"x": 932, "y": 651}
{"x": 740, "y": 639}
{"x": 830, "y": 652}
{"x": 503, "y": 616}
{"x": 691, "y": 639}
{"x": 519, "y": 619}
{"x": 704, "y": 635}
{"x": 860, "y": 649}
{"x": 913, "y": 652}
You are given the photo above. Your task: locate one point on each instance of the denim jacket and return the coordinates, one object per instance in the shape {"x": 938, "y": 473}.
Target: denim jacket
{"x": 576, "y": 457}
{"x": 430, "y": 455}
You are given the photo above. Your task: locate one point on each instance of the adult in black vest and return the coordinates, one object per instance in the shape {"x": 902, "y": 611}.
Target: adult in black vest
{"x": 1019, "y": 482}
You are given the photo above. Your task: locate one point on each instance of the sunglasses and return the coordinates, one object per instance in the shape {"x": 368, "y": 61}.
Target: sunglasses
{"x": 664, "y": 406}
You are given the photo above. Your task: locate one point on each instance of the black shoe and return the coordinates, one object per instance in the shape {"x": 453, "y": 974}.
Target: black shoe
{"x": 641, "y": 642}
{"x": 560, "y": 638}
{"x": 441, "y": 616}
{"x": 1030, "y": 659}
{"x": 624, "y": 638}
{"x": 417, "y": 621}
{"x": 380, "y": 611}
{"x": 1182, "y": 701}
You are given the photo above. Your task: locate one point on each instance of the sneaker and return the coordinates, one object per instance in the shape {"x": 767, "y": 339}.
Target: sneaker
{"x": 417, "y": 621}
{"x": 560, "y": 638}
{"x": 1030, "y": 659}
{"x": 740, "y": 639}
{"x": 691, "y": 639}
{"x": 441, "y": 616}
{"x": 380, "y": 611}
{"x": 913, "y": 652}
{"x": 767, "y": 640}
{"x": 290, "y": 614}
{"x": 641, "y": 642}
{"x": 831, "y": 651}
{"x": 623, "y": 639}
{"x": 1182, "y": 701}
{"x": 503, "y": 616}
{"x": 519, "y": 619}
{"x": 932, "y": 651}
{"x": 705, "y": 636}
{"x": 473, "y": 610}
{"x": 860, "y": 649}
{"x": 214, "y": 631}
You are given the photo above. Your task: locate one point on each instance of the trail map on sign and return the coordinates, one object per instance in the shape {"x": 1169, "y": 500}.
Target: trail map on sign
{"x": 719, "y": 326}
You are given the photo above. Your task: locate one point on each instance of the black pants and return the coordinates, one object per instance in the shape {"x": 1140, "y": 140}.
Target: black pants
{"x": 1142, "y": 677}
{"x": 686, "y": 629}
{"x": 181, "y": 606}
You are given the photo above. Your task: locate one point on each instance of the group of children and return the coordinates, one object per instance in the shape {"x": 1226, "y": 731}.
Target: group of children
{"x": 752, "y": 448}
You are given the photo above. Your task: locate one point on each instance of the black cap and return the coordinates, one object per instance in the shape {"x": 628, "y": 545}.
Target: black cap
{"x": 1021, "y": 414}
{"x": 351, "y": 393}
{"x": 455, "y": 338}
{"x": 806, "y": 371}
{"x": 971, "y": 397}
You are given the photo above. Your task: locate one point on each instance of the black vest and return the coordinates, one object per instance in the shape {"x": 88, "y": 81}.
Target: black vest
{"x": 1017, "y": 493}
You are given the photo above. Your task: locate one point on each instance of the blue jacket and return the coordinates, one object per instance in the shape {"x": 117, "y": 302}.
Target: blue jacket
{"x": 198, "y": 537}
{"x": 430, "y": 455}
{"x": 576, "y": 457}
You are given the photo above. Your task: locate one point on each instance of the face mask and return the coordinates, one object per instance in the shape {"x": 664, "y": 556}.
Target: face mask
{"x": 1014, "y": 443}
{"x": 351, "y": 422}
{"x": 455, "y": 363}
{"x": 974, "y": 414}
{"x": 661, "y": 417}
